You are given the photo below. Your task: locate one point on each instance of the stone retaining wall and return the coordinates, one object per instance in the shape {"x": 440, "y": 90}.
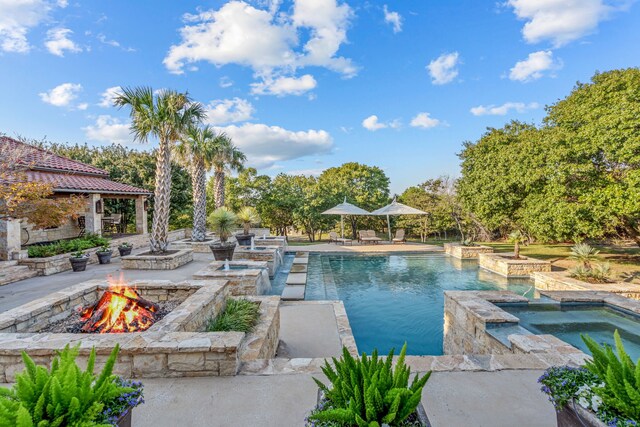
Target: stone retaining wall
{"x": 502, "y": 264}
{"x": 148, "y": 261}
{"x": 271, "y": 256}
{"x": 560, "y": 281}
{"x": 262, "y": 342}
{"x": 254, "y": 280}
{"x": 59, "y": 263}
{"x": 465, "y": 252}
{"x": 197, "y": 247}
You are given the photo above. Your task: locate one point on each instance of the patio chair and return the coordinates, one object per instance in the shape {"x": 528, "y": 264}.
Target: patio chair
{"x": 366, "y": 236}
{"x": 117, "y": 222}
{"x": 372, "y": 237}
{"x": 399, "y": 238}
{"x": 333, "y": 238}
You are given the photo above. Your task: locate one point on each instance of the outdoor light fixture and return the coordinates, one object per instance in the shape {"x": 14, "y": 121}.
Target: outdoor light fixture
{"x": 99, "y": 206}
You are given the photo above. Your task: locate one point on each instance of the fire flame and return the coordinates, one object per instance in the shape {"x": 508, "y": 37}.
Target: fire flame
{"x": 119, "y": 309}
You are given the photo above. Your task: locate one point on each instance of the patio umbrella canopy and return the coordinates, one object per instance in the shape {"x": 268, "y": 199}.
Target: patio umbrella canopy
{"x": 395, "y": 208}
{"x": 345, "y": 209}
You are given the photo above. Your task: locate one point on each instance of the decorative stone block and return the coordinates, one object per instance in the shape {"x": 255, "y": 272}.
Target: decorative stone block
{"x": 506, "y": 265}
{"x": 457, "y": 250}
{"x": 244, "y": 277}
{"x": 197, "y": 247}
{"x": 269, "y": 254}
{"x": 150, "y": 261}
{"x": 560, "y": 281}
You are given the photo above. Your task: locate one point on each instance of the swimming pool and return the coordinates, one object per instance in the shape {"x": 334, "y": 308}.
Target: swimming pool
{"x": 568, "y": 321}
{"x": 395, "y": 298}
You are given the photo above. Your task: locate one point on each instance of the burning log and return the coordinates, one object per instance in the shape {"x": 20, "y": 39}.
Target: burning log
{"x": 120, "y": 309}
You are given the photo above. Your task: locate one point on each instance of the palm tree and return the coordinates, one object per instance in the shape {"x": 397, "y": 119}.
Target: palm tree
{"x": 517, "y": 238}
{"x": 228, "y": 157}
{"x": 164, "y": 115}
{"x": 197, "y": 150}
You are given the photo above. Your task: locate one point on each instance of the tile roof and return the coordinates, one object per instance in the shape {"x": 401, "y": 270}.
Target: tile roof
{"x": 65, "y": 175}
{"x": 65, "y": 182}
{"x": 37, "y": 158}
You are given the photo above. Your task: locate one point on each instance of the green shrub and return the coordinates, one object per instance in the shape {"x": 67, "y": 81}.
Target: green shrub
{"x": 599, "y": 273}
{"x": 584, "y": 254}
{"x": 240, "y": 315}
{"x": 223, "y": 221}
{"x": 621, "y": 377}
{"x": 65, "y": 246}
{"x": 368, "y": 391}
{"x": 61, "y": 396}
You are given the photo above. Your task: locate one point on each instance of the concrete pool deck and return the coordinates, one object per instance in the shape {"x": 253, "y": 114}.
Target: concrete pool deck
{"x": 451, "y": 399}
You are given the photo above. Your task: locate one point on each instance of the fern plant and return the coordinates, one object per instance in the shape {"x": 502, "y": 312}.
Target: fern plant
{"x": 368, "y": 391}
{"x": 620, "y": 376}
{"x": 61, "y": 396}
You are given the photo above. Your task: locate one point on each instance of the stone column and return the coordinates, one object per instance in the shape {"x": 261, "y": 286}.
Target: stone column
{"x": 141, "y": 215}
{"x": 93, "y": 219}
{"x": 10, "y": 239}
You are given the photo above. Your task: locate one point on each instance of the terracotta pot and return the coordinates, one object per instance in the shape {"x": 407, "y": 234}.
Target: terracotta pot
{"x": 124, "y": 250}
{"x": 223, "y": 251}
{"x": 574, "y": 415}
{"x": 244, "y": 239}
{"x": 104, "y": 257}
{"x": 79, "y": 264}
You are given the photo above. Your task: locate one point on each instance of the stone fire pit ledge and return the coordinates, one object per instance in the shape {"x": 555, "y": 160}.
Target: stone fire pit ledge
{"x": 148, "y": 261}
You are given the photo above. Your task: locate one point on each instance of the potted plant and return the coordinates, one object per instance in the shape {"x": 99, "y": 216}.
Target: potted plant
{"x": 247, "y": 216}
{"x": 125, "y": 248}
{"x": 79, "y": 261}
{"x": 369, "y": 391}
{"x": 223, "y": 221}
{"x": 65, "y": 395}
{"x": 602, "y": 393}
{"x": 104, "y": 254}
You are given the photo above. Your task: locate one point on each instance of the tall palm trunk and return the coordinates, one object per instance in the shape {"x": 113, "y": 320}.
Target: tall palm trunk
{"x": 199, "y": 184}
{"x": 160, "y": 229}
{"x": 219, "y": 188}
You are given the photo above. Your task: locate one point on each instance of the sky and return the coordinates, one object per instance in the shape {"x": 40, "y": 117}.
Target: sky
{"x": 304, "y": 85}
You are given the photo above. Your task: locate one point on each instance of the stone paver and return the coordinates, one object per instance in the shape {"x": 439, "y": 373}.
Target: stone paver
{"x": 293, "y": 293}
{"x": 308, "y": 330}
{"x": 297, "y": 279}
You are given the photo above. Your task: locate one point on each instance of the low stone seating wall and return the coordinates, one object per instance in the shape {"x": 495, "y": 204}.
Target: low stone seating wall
{"x": 148, "y": 261}
{"x": 59, "y": 263}
{"x": 296, "y": 283}
{"x": 505, "y": 265}
{"x": 465, "y": 252}
{"x": 560, "y": 281}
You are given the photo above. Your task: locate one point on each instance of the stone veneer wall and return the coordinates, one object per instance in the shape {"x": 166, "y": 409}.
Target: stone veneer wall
{"x": 157, "y": 262}
{"x": 465, "y": 252}
{"x": 251, "y": 281}
{"x": 59, "y": 263}
{"x": 523, "y": 267}
{"x": 197, "y": 247}
{"x": 560, "y": 281}
{"x": 173, "y": 347}
{"x": 271, "y": 256}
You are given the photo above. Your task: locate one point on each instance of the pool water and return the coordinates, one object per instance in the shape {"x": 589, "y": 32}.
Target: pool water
{"x": 567, "y": 322}
{"x": 391, "y": 299}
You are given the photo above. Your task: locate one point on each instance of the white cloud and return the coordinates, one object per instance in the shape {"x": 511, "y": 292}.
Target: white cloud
{"x": 264, "y": 40}
{"x": 425, "y": 121}
{"x": 17, "y": 17}
{"x": 562, "y": 21}
{"x": 266, "y": 145}
{"x": 504, "y": 109}
{"x": 114, "y": 43}
{"x": 371, "y": 123}
{"x": 281, "y": 86}
{"x": 223, "y": 111}
{"x": 534, "y": 66}
{"x": 225, "y": 82}
{"x": 62, "y": 95}
{"x": 58, "y": 41}
{"x": 108, "y": 96}
{"x": 393, "y": 18}
{"x": 109, "y": 129}
{"x": 444, "y": 69}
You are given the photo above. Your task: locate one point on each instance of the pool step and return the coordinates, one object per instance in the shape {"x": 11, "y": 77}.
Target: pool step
{"x": 296, "y": 283}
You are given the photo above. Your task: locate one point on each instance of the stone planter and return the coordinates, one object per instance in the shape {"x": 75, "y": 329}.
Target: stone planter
{"x": 507, "y": 266}
{"x": 104, "y": 257}
{"x": 574, "y": 415}
{"x": 125, "y": 419}
{"x": 125, "y": 250}
{"x": 163, "y": 261}
{"x": 79, "y": 264}
{"x": 244, "y": 239}
{"x": 223, "y": 251}
{"x": 457, "y": 250}
{"x": 420, "y": 413}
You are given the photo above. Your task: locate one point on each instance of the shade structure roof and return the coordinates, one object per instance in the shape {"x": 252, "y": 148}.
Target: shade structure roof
{"x": 395, "y": 208}
{"x": 345, "y": 208}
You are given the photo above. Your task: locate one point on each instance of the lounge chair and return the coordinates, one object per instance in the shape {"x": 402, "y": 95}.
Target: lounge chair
{"x": 368, "y": 236}
{"x": 333, "y": 238}
{"x": 399, "y": 238}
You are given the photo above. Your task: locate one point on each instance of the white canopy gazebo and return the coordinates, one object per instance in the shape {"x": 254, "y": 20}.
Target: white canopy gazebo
{"x": 395, "y": 208}
{"x": 345, "y": 209}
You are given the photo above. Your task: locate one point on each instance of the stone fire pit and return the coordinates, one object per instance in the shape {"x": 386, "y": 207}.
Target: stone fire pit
{"x": 245, "y": 277}
{"x": 174, "y": 346}
{"x": 270, "y": 254}
{"x": 148, "y": 261}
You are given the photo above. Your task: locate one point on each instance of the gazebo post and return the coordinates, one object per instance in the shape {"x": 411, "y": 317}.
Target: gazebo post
{"x": 389, "y": 227}
{"x": 141, "y": 215}
{"x": 93, "y": 218}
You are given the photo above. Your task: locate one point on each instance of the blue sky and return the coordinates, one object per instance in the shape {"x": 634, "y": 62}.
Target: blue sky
{"x": 304, "y": 85}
